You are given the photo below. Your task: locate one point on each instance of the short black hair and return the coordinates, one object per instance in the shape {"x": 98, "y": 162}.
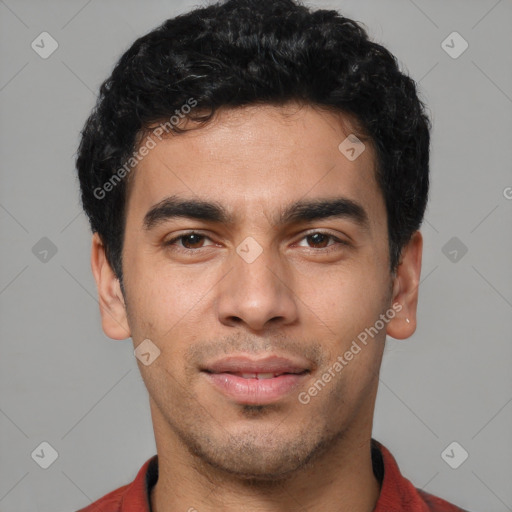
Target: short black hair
{"x": 246, "y": 52}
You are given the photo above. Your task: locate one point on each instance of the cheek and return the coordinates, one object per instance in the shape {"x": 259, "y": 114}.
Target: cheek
{"x": 349, "y": 294}
{"x": 162, "y": 293}
{"x": 345, "y": 304}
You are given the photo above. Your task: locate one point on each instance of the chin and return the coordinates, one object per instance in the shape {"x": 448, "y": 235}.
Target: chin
{"x": 263, "y": 458}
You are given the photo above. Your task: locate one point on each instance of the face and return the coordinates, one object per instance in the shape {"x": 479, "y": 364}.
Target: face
{"x": 264, "y": 285}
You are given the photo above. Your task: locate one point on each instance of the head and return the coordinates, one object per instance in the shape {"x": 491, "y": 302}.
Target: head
{"x": 232, "y": 122}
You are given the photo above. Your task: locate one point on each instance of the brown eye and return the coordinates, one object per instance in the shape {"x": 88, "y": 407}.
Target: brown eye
{"x": 321, "y": 239}
{"x": 188, "y": 241}
{"x": 192, "y": 239}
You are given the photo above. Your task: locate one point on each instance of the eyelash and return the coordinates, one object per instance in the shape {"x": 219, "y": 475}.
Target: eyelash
{"x": 324, "y": 250}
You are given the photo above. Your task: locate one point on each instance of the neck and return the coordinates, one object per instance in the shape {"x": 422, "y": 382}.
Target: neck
{"x": 340, "y": 480}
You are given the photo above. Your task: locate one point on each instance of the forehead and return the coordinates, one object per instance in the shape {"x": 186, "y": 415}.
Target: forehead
{"x": 255, "y": 159}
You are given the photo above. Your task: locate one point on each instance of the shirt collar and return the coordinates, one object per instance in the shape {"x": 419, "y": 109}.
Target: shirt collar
{"x": 397, "y": 493}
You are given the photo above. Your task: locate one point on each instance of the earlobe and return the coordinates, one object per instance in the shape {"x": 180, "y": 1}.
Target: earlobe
{"x": 405, "y": 289}
{"x": 112, "y": 306}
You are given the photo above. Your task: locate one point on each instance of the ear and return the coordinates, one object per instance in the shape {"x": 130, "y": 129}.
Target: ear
{"x": 405, "y": 289}
{"x": 112, "y": 306}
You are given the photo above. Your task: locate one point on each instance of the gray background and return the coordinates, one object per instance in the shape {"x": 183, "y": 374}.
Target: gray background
{"x": 64, "y": 382}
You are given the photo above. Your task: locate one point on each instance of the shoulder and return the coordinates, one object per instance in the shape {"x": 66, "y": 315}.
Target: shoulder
{"x": 111, "y": 502}
{"x": 131, "y": 497}
{"x": 436, "y": 504}
{"x": 398, "y": 494}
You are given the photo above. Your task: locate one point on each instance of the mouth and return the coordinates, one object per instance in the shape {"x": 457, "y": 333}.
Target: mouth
{"x": 256, "y": 382}
{"x": 261, "y": 375}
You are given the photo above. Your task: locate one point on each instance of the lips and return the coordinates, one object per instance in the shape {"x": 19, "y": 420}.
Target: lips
{"x": 245, "y": 365}
{"x": 256, "y": 381}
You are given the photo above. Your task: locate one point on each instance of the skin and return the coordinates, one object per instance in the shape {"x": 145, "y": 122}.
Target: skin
{"x": 295, "y": 299}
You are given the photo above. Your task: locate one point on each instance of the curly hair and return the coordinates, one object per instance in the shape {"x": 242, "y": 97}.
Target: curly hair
{"x": 243, "y": 52}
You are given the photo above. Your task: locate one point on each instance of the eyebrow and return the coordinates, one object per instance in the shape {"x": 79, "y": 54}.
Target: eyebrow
{"x": 301, "y": 211}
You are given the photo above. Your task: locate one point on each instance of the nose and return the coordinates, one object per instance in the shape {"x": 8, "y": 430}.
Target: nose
{"x": 258, "y": 294}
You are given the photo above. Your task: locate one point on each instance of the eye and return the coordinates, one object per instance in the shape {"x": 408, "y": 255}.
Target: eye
{"x": 193, "y": 241}
{"x": 320, "y": 238}
{"x": 189, "y": 241}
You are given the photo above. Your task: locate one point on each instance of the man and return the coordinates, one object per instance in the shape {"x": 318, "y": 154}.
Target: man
{"x": 255, "y": 174}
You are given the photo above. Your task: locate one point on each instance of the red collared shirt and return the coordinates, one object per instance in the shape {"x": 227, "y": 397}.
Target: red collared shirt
{"x": 397, "y": 493}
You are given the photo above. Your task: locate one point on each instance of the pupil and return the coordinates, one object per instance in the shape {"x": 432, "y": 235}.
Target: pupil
{"x": 316, "y": 236}
{"x": 189, "y": 239}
